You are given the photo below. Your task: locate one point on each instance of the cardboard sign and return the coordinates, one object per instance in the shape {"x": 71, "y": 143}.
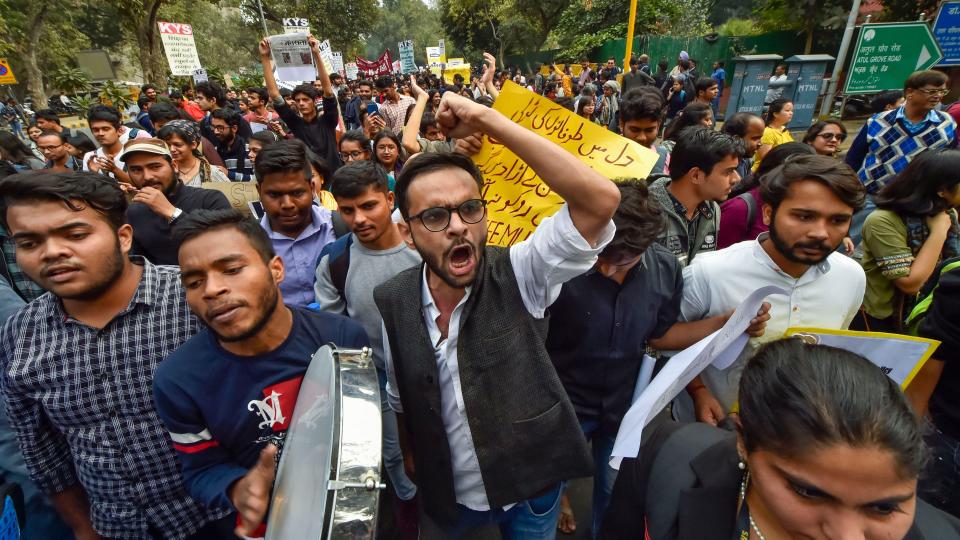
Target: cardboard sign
{"x": 517, "y": 200}
{"x": 240, "y": 194}
{"x": 353, "y": 72}
{"x": 433, "y": 56}
{"x": 407, "y": 64}
{"x": 338, "y": 62}
{"x": 463, "y": 70}
{"x": 326, "y": 54}
{"x": 179, "y": 47}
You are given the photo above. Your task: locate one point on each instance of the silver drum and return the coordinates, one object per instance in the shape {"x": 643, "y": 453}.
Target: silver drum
{"x": 328, "y": 479}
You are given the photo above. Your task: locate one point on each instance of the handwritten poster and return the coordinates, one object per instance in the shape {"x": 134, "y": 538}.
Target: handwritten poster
{"x": 180, "y": 48}
{"x": 517, "y": 200}
{"x": 338, "y": 63}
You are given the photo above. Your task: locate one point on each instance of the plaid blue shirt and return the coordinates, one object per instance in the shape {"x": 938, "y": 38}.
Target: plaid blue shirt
{"x": 22, "y": 285}
{"x": 81, "y": 402}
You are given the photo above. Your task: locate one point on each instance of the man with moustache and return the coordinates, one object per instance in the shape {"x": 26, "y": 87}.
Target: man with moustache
{"x": 78, "y": 363}
{"x": 159, "y": 199}
{"x": 487, "y": 431}
{"x": 230, "y": 390}
{"x": 808, "y": 203}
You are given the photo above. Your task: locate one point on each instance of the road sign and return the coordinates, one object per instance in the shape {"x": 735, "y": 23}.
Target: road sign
{"x": 946, "y": 30}
{"x": 6, "y": 74}
{"x": 886, "y": 54}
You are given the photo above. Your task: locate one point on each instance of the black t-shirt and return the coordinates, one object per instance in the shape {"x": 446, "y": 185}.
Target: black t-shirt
{"x": 942, "y": 322}
{"x": 320, "y": 135}
{"x": 151, "y": 232}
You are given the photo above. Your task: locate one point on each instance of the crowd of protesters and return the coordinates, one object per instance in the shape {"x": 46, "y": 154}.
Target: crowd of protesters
{"x": 157, "y": 331}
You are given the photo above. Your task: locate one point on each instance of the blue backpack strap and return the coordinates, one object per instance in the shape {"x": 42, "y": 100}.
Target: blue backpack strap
{"x": 338, "y": 262}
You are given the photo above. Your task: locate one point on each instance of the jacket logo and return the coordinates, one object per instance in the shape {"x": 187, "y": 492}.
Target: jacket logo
{"x": 269, "y": 410}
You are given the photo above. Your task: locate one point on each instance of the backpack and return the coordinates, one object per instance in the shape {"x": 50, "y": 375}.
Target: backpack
{"x": 925, "y": 296}
{"x": 338, "y": 262}
{"x": 751, "y": 208}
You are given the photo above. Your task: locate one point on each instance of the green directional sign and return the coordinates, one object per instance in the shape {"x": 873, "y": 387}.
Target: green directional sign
{"x": 886, "y": 54}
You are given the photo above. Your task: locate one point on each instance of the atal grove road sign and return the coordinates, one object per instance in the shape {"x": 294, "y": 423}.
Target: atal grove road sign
{"x": 886, "y": 54}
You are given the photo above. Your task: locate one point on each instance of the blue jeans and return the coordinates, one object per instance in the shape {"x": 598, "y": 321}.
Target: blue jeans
{"x": 604, "y": 475}
{"x": 940, "y": 481}
{"x": 532, "y": 519}
{"x": 17, "y": 128}
{"x": 392, "y": 456}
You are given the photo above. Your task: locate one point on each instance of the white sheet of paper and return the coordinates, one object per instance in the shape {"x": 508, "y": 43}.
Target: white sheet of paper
{"x": 724, "y": 345}
{"x": 646, "y": 373}
{"x": 292, "y": 57}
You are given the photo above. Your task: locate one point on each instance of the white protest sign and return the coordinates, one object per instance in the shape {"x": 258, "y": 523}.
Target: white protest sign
{"x": 723, "y": 344}
{"x": 352, "y": 71}
{"x": 295, "y": 25}
{"x": 900, "y": 357}
{"x": 407, "y": 64}
{"x": 338, "y": 62}
{"x": 443, "y": 51}
{"x": 199, "y": 76}
{"x": 292, "y": 57}
{"x": 179, "y": 47}
{"x": 326, "y": 54}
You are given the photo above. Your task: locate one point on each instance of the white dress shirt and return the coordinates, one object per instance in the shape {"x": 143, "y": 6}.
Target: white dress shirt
{"x": 827, "y": 295}
{"x": 554, "y": 253}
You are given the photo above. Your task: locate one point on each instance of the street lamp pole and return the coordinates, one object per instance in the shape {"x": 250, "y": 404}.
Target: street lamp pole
{"x": 630, "y": 24}
{"x": 841, "y": 59}
{"x": 264, "y": 21}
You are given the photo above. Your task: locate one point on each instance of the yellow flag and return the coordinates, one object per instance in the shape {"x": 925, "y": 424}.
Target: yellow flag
{"x": 517, "y": 200}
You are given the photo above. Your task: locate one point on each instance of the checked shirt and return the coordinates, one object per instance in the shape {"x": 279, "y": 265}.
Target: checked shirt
{"x": 81, "y": 402}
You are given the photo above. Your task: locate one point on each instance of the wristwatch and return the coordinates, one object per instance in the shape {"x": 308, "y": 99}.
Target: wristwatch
{"x": 176, "y": 213}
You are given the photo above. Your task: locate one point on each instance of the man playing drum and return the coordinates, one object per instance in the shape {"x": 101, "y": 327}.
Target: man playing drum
{"x": 231, "y": 389}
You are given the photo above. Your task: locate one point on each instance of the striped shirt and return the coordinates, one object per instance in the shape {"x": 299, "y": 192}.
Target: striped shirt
{"x": 80, "y": 400}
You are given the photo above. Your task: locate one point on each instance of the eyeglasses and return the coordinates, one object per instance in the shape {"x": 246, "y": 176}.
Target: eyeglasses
{"x": 49, "y": 148}
{"x": 350, "y": 156}
{"x": 934, "y": 91}
{"x": 831, "y": 136}
{"x": 437, "y": 219}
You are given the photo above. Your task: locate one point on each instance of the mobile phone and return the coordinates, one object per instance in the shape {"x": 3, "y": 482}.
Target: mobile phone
{"x": 372, "y": 108}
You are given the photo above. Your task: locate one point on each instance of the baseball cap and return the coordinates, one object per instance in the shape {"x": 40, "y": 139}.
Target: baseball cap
{"x": 151, "y": 146}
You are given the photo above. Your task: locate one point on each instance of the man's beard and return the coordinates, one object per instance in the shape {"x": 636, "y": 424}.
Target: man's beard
{"x": 270, "y": 298}
{"x": 436, "y": 265}
{"x": 789, "y": 252}
{"x": 111, "y": 273}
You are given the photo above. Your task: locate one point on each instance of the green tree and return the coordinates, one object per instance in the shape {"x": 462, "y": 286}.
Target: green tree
{"x": 400, "y": 20}
{"x": 343, "y": 23}
{"x": 588, "y": 24}
{"x": 803, "y": 15}
{"x": 70, "y": 80}
{"x": 500, "y": 26}
{"x": 907, "y": 10}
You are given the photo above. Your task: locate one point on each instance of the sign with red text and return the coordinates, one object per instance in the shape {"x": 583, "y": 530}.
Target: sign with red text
{"x": 517, "y": 200}
{"x": 180, "y": 48}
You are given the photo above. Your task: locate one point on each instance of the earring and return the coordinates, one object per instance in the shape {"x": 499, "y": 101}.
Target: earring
{"x": 742, "y": 466}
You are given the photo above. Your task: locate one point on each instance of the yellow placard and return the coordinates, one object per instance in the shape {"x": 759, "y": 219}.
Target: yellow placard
{"x": 240, "y": 194}
{"x": 899, "y": 356}
{"x": 6, "y": 73}
{"x": 462, "y": 70}
{"x": 575, "y": 69}
{"x": 517, "y": 200}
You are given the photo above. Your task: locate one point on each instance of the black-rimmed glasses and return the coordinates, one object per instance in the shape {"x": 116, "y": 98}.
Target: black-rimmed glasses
{"x": 437, "y": 219}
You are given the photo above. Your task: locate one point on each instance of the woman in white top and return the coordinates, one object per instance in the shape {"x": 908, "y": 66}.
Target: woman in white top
{"x": 183, "y": 138}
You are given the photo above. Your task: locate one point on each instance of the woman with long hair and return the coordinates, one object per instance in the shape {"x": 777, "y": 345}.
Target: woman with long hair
{"x": 354, "y": 146}
{"x": 258, "y": 141}
{"x": 33, "y": 132}
{"x": 694, "y": 114}
{"x": 183, "y": 139}
{"x": 16, "y": 153}
{"x": 388, "y": 152}
{"x": 825, "y": 136}
{"x": 779, "y": 114}
{"x": 826, "y": 446}
{"x": 586, "y": 108}
{"x": 913, "y": 228}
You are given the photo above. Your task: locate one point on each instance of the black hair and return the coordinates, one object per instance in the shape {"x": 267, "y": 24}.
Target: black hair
{"x": 148, "y": 86}
{"x": 285, "y": 93}
{"x": 197, "y": 222}
{"x": 143, "y": 101}
{"x": 164, "y": 112}
{"x": 663, "y": 65}
{"x": 815, "y": 129}
{"x": 797, "y": 398}
{"x": 211, "y": 90}
{"x": 260, "y": 92}
{"x": 51, "y": 133}
{"x": 46, "y": 114}
{"x": 384, "y": 82}
{"x": 289, "y": 155}
{"x": 831, "y": 172}
{"x": 691, "y": 116}
{"x": 776, "y": 106}
{"x": 13, "y": 148}
{"x": 879, "y": 102}
{"x": 738, "y": 124}
{"x": 104, "y": 113}
{"x": 388, "y": 134}
{"x": 265, "y": 137}
{"x": 176, "y": 95}
{"x": 353, "y": 179}
{"x": 228, "y": 115}
{"x": 919, "y": 79}
{"x": 305, "y": 89}
{"x": 774, "y": 158}
{"x": 82, "y": 143}
{"x": 357, "y": 136}
{"x": 644, "y": 103}
{"x": 639, "y": 220}
{"x": 427, "y": 163}
{"x": 365, "y": 82}
{"x": 76, "y": 190}
{"x": 566, "y": 102}
{"x": 320, "y": 165}
{"x": 185, "y": 88}
{"x": 426, "y": 121}
{"x": 583, "y": 102}
{"x": 703, "y": 84}
{"x": 701, "y": 148}
{"x": 915, "y": 191}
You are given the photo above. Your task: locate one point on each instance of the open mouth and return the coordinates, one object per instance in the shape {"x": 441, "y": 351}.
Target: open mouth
{"x": 461, "y": 259}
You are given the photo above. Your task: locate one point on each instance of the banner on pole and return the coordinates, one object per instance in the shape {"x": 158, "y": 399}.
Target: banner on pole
{"x": 179, "y": 47}
{"x": 407, "y": 64}
{"x": 381, "y": 66}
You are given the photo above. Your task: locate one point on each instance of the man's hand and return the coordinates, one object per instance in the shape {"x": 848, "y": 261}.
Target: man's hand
{"x": 758, "y": 324}
{"x": 377, "y": 123}
{"x": 264, "y": 48}
{"x": 314, "y": 44}
{"x": 469, "y": 145}
{"x": 939, "y": 223}
{"x": 848, "y": 246}
{"x": 250, "y": 495}
{"x": 156, "y": 201}
{"x": 415, "y": 88}
{"x": 459, "y": 116}
{"x": 708, "y": 409}
{"x": 489, "y": 68}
